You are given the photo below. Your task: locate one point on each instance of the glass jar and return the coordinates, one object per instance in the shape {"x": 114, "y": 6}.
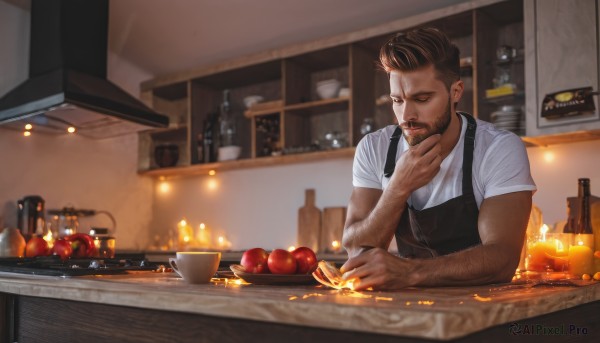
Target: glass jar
{"x": 104, "y": 243}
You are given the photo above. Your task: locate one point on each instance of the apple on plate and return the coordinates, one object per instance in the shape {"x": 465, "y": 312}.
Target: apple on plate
{"x": 282, "y": 262}
{"x": 305, "y": 259}
{"x": 255, "y": 261}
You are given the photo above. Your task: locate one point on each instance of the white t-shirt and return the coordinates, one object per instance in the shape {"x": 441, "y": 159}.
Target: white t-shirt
{"x": 500, "y": 166}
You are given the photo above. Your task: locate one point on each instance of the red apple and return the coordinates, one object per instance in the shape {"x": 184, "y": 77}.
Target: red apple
{"x": 255, "y": 261}
{"x": 62, "y": 248}
{"x": 282, "y": 262}
{"x": 306, "y": 260}
{"x": 36, "y": 246}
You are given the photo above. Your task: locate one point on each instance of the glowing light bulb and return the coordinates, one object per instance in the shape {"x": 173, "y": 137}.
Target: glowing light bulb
{"x": 202, "y": 226}
{"x": 28, "y": 126}
{"x": 164, "y": 187}
{"x": 549, "y": 156}
{"x": 71, "y": 129}
{"x": 27, "y": 133}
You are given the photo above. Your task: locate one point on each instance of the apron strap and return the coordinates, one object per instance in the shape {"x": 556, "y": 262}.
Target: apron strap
{"x": 467, "y": 180}
{"x": 390, "y": 160}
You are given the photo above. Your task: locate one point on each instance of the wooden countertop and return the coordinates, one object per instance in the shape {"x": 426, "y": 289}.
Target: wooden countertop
{"x": 436, "y": 313}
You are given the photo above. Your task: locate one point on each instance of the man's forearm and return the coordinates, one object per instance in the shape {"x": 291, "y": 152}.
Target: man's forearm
{"x": 378, "y": 227}
{"x": 482, "y": 264}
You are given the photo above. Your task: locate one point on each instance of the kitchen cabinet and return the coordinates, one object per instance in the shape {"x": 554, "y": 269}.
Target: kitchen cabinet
{"x": 297, "y": 121}
{"x": 561, "y": 41}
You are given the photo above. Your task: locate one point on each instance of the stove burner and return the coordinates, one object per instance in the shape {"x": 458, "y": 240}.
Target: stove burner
{"x": 53, "y": 266}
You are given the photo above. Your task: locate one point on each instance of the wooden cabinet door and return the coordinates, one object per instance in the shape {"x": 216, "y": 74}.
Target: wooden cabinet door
{"x": 561, "y": 41}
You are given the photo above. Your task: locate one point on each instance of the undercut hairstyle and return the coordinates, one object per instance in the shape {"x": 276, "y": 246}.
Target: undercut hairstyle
{"x": 419, "y": 48}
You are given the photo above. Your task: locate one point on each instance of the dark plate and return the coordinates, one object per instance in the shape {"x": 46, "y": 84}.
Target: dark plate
{"x": 272, "y": 279}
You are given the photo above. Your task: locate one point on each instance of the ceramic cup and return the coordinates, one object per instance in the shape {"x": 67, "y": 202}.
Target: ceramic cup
{"x": 196, "y": 267}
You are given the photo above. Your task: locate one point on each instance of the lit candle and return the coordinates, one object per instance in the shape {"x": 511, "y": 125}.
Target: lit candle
{"x": 184, "y": 232}
{"x": 335, "y": 246}
{"x": 223, "y": 243}
{"x": 203, "y": 236}
{"x": 581, "y": 259}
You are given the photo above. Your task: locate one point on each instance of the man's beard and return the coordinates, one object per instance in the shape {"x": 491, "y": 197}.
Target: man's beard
{"x": 439, "y": 126}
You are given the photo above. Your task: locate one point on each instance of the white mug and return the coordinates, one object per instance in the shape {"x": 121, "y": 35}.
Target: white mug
{"x": 196, "y": 267}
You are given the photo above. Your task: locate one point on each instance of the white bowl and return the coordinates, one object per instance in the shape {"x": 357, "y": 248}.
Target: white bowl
{"x": 252, "y": 99}
{"x": 230, "y": 152}
{"x": 328, "y": 89}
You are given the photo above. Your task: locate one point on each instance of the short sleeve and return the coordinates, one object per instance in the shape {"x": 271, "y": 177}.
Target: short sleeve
{"x": 505, "y": 167}
{"x": 364, "y": 169}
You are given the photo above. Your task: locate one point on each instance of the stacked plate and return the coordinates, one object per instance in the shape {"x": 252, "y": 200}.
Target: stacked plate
{"x": 507, "y": 118}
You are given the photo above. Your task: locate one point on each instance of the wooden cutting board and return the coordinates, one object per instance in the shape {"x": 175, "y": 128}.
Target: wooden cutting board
{"x": 334, "y": 219}
{"x": 309, "y": 222}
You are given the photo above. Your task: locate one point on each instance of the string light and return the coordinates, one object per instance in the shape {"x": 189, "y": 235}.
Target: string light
{"x": 212, "y": 172}
{"x": 27, "y": 133}
{"x": 28, "y": 127}
{"x": 71, "y": 129}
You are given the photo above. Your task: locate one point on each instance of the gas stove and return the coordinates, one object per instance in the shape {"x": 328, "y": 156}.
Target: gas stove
{"x": 53, "y": 266}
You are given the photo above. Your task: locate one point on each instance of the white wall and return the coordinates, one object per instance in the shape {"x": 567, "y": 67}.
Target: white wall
{"x": 556, "y": 169}
{"x": 254, "y": 207}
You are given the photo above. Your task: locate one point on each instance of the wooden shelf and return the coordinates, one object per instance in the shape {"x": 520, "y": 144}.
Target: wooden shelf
{"x": 203, "y": 169}
{"x": 562, "y": 138}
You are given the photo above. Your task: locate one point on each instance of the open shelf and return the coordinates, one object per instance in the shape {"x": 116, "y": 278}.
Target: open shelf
{"x": 203, "y": 169}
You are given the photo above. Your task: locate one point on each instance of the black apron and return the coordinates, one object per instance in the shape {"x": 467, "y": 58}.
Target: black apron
{"x": 445, "y": 228}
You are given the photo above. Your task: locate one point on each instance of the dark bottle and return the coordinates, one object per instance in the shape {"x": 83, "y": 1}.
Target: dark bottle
{"x": 210, "y": 138}
{"x": 584, "y": 220}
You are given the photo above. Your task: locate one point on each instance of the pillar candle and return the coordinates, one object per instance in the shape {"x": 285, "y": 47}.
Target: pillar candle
{"x": 580, "y": 260}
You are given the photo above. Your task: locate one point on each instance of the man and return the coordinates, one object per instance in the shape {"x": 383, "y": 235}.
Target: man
{"x": 454, "y": 191}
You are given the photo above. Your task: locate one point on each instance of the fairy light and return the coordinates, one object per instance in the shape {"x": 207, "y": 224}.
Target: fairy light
{"x": 28, "y": 127}
{"x": 291, "y": 248}
{"x": 71, "y": 129}
{"x": 27, "y": 133}
{"x": 212, "y": 172}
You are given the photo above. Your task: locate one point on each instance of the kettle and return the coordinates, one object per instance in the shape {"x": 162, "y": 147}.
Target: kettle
{"x": 31, "y": 215}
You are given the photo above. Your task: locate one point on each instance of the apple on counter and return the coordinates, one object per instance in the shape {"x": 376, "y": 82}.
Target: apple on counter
{"x": 301, "y": 260}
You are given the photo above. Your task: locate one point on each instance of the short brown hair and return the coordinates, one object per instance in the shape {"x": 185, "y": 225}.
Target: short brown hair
{"x": 419, "y": 48}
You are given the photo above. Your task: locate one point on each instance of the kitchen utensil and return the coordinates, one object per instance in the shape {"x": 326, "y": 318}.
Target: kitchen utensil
{"x": 334, "y": 219}
{"x": 196, "y": 267}
{"x": 309, "y": 222}
{"x": 328, "y": 89}
{"x": 166, "y": 155}
{"x": 12, "y": 243}
{"x": 104, "y": 242}
{"x": 31, "y": 216}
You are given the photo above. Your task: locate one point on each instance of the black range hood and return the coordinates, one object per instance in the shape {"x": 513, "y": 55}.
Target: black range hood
{"x": 67, "y": 83}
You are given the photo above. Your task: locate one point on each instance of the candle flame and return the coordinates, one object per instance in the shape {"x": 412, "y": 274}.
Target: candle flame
{"x": 544, "y": 229}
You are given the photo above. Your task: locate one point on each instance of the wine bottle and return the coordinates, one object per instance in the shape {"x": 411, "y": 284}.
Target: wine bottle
{"x": 584, "y": 219}
{"x": 581, "y": 259}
